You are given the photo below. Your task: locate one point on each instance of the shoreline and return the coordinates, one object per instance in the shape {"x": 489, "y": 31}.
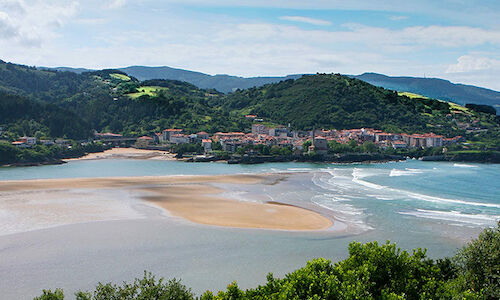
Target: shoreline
{"x": 192, "y": 198}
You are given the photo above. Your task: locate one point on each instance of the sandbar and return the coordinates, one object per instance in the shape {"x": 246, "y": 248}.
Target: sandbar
{"x": 194, "y": 198}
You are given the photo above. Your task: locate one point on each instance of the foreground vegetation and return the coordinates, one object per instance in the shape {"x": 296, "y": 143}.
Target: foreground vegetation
{"x": 372, "y": 271}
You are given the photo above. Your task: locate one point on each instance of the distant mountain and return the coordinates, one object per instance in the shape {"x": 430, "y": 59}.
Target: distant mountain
{"x": 222, "y": 83}
{"x": 68, "y": 69}
{"x": 435, "y": 88}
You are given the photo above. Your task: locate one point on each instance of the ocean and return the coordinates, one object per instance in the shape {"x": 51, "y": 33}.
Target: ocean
{"x": 434, "y": 205}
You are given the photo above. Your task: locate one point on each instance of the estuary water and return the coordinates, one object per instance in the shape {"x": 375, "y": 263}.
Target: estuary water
{"x": 434, "y": 205}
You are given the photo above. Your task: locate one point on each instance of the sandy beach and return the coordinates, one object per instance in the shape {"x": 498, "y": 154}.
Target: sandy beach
{"x": 193, "y": 198}
{"x": 128, "y": 153}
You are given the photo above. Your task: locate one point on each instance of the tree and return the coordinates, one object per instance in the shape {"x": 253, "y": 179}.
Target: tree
{"x": 58, "y": 294}
{"x": 145, "y": 288}
{"x": 369, "y": 147}
{"x": 479, "y": 264}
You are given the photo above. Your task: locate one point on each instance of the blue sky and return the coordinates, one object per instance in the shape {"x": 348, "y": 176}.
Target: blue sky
{"x": 453, "y": 39}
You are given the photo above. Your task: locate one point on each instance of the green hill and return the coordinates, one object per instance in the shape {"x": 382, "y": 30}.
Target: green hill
{"x": 429, "y": 87}
{"x": 336, "y": 101}
{"x": 110, "y": 100}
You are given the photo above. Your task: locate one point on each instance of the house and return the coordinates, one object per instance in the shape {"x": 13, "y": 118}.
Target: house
{"x": 279, "y": 131}
{"x": 47, "y": 142}
{"x": 207, "y": 145}
{"x": 399, "y": 145}
{"x": 319, "y": 145}
{"x": 144, "y": 141}
{"x": 423, "y": 140}
{"x": 20, "y": 144}
{"x": 30, "y": 141}
{"x": 63, "y": 142}
{"x": 202, "y": 135}
{"x": 168, "y": 132}
{"x": 260, "y": 129}
{"x": 251, "y": 117}
{"x": 179, "y": 139}
{"x": 228, "y": 135}
{"x": 157, "y": 138}
{"x": 230, "y": 145}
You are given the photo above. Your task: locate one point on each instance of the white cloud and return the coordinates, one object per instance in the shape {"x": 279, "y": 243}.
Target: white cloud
{"x": 32, "y": 22}
{"x": 467, "y": 63}
{"x": 7, "y": 27}
{"x": 224, "y": 45}
{"x": 398, "y": 18}
{"x": 307, "y": 20}
{"x": 114, "y": 4}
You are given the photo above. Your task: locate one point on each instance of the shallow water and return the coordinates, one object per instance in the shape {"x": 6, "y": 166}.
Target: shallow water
{"x": 433, "y": 205}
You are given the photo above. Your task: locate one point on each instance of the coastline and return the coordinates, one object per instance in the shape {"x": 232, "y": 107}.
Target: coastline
{"x": 193, "y": 198}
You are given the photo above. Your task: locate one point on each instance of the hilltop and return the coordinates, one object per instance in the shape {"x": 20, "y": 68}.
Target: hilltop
{"x": 341, "y": 102}
{"x": 429, "y": 87}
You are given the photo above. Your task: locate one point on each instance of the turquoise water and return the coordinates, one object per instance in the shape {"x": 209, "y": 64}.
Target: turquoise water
{"x": 433, "y": 205}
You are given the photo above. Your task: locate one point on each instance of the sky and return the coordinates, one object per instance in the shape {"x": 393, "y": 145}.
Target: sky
{"x": 458, "y": 40}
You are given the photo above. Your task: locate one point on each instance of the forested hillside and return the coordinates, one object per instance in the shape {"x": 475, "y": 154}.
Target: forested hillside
{"x": 60, "y": 104}
{"x": 108, "y": 100}
{"x": 21, "y": 116}
{"x": 336, "y": 101}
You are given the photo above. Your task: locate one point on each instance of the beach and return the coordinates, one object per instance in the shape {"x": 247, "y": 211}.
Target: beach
{"x": 192, "y": 198}
{"x": 127, "y": 153}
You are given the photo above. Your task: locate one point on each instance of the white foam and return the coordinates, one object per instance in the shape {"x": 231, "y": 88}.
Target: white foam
{"x": 464, "y": 165}
{"x": 435, "y": 199}
{"x": 357, "y": 175}
{"x": 455, "y": 216}
{"x": 406, "y": 172}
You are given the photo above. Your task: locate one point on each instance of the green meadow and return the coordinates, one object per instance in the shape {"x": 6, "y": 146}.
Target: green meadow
{"x": 147, "y": 90}
{"x": 120, "y": 76}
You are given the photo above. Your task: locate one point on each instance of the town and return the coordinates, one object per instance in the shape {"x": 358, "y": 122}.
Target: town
{"x": 281, "y": 139}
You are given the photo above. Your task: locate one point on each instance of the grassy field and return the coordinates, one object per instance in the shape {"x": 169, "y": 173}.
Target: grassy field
{"x": 147, "y": 90}
{"x": 120, "y": 76}
{"x": 454, "y": 106}
{"x": 411, "y": 95}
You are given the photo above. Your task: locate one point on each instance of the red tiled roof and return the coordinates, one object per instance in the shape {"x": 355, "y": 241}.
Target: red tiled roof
{"x": 170, "y": 130}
